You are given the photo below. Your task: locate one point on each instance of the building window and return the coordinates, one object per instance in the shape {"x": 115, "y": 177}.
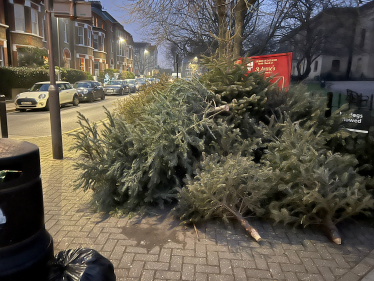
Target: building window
{"x": 34, "y": 22}
{"x": 80, "y": 35}
{"x": 362, "y": 38}
{"x": 96, "y": 68}
{"x": 111, "y": 45}
{"x": 96, "y": 42}
{"x": 43, "y": 27}
{"x": 315, "y": 65}
{"x": 120, "y": 47}
{"x": 89, "y": 38}
{"x": 90, "y": 67}
{"x": 19, "y": 17}
{"x": 2, "y": 56}
{"x": 102, "y": 43}
{"x": 65, "y": 31}
{"x": 81, "y": 64}
{"x": 335, "y": 66}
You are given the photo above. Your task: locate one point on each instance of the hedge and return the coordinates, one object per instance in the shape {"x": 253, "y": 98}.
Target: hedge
{"x": 24, "y": 77}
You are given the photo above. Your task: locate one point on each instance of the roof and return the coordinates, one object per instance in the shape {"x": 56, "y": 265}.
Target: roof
{"x": 48, "y": 82}
{"x": 109, "y": 17}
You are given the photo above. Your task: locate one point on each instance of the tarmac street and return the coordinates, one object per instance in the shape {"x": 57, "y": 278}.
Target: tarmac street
{"x": 157, "y": 247}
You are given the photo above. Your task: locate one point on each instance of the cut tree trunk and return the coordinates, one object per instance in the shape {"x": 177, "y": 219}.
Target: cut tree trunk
{"x": 251, "y": 230}
{"x": 331, "y": 231}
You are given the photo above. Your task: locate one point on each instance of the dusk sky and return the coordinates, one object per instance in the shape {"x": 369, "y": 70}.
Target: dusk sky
{"x": 113, "y": 7}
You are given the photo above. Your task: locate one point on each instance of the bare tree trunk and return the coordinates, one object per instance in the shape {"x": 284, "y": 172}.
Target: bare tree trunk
{"x": 240, "y": 11}
{"x": 222, "y": 26}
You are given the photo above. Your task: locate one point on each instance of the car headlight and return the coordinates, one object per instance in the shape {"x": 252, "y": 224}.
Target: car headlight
{"x": 85, "y": 91}
{"x": 17, "y": 96}
{"x": 42, "y": 96}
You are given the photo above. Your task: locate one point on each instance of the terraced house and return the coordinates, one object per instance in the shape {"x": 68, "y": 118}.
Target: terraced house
{"x": 89, "y": 45}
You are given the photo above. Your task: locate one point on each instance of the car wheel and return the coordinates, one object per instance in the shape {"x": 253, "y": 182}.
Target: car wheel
{"x": 75, "y": 101}
{"x": 91, "y": 98}
{"x": 103, "y": 96}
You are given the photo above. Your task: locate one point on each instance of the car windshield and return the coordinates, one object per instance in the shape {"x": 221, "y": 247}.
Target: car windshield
{"x": 140, "y": 80}
{"x": 131, "y": 81}
{"x": 39, "y": 87}
{"x": 115, "y": 82}
{"x": 81, "y": 85}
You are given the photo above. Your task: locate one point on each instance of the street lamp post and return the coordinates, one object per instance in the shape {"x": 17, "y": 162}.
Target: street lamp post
{"x": 58, "y": 50}
{"x": 145, "y": 61}
{"x": 177, "y": 59}
{"x": 120, "y": 48}
{"x": 54, "y": 99}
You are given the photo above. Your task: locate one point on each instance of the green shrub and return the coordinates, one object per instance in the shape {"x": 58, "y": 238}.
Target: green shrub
{"x": 126, "y": 75}
{"x": 72, "y": 75}
{"x": 109, "y": 71}
{"x": 20, "y": 77}
{"x": 89, "y": 76}
{"x": 31, "y": 57}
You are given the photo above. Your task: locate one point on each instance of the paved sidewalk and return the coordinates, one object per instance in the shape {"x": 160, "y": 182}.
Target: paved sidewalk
{"x": 157, "y": 247}
{"x": 10, "y": 106}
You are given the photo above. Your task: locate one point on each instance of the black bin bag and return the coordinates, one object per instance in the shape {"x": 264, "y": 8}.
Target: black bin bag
{"x": 81, "y": 265}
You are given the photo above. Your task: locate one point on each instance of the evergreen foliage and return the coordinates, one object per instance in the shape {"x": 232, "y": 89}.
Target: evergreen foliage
{"x": 222, "y": 188}
{"x": 273, "y": 154}
{"x": 248, "y": 94}
{"x": 130, "y": 165}
{"x": 308, "y": 183}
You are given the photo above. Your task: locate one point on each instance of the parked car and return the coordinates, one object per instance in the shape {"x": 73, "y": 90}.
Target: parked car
{"x": 38, "y": 96}
{"x": 139, "y": 83}
{"x": 119, "y": 87}
{"x": 131, "y": 82}
{"x": 89, "y": 90}
{"x": 151, "y": 80}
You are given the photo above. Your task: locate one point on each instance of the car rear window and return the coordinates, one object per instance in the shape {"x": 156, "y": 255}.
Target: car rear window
{"x": 82, "y": 85}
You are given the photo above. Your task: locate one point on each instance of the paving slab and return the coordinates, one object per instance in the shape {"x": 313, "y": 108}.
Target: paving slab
{"x": 159, "y": 247}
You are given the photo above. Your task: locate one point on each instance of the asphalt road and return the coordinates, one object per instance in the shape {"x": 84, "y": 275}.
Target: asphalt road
{"x": 36, "y": 123}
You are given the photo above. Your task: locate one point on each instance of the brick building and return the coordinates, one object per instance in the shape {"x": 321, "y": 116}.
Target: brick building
{"x": 145, "y": 58}
{"x": 89, "y": 45}
{"x": 343, "y": 44}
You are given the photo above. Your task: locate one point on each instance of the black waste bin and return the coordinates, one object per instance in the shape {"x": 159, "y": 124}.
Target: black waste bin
{"x": 25, "y": 245}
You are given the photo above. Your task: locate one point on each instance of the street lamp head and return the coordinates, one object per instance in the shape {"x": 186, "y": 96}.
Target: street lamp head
{"x": 121, "y": 39}
{"x": 146, "y": 51}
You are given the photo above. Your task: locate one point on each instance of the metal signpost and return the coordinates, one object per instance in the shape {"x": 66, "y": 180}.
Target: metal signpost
{"x": 68, "y": 9}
